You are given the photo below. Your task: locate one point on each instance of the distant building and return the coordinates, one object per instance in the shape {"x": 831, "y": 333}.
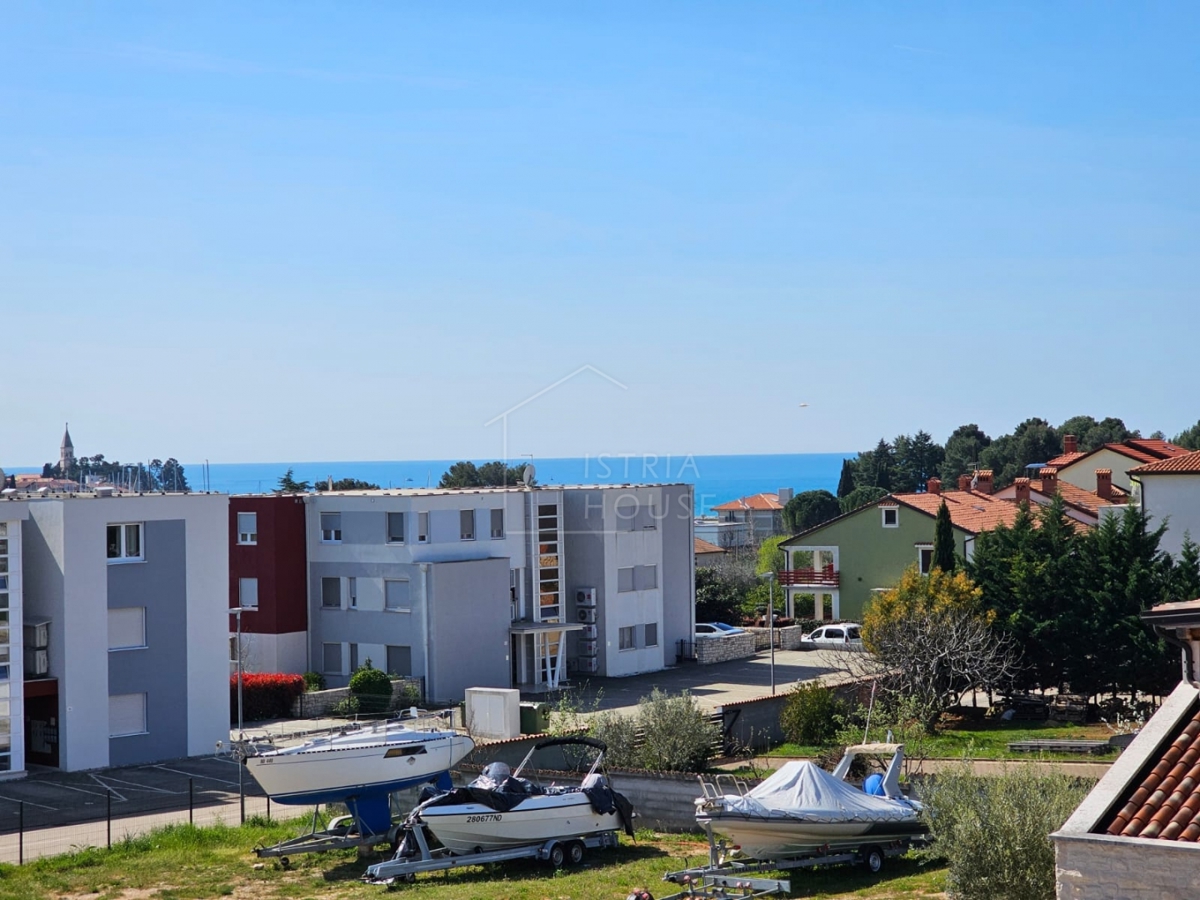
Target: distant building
{"x": 746, "y": 521}
{"x": 1079, "y": 467}
{"x": 1170, "y": 492}
{"x": 707, "y": 554}
{"x": 66, "y": 453}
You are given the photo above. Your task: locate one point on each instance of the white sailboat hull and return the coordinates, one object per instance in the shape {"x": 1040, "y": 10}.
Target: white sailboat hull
{"x": 473, "y": 827}
{"x": 328, "y": 770}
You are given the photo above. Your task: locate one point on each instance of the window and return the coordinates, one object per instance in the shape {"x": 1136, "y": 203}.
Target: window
{"x": 247, "y": 527}
{"x": 331, "y": 659}
{"x": 651, "y": 634}
{"x": 627, "y": 514}
{"x": 399, "y": 660}
{"x": 423, "y": 528}
{"x": 925, "y": 558}
{"x": 248, "y": 593}
{"x": 645, "y": 578}
{"x": 125, "y": 542}
{"x": 126, "y": 714}
{"x": 352, "y": 592}
{"x": 891, "y": 517}
{"x": 331, "y": 528}
{"x": 127, "y": 628}
{"x": 331, "y": 593}
{"x": 497, "y": 523}
{"x": 466, "y": 524}
{"x": 354, "y": 657}
{"x": 395, "y": 528}
{"x": 625, "y": 636}
{"x": 624, "y": 580}
{"x": 397, "y": 596}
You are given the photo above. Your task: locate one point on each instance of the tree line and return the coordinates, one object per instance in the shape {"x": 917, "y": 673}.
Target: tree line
{"x": 156, "y": 475}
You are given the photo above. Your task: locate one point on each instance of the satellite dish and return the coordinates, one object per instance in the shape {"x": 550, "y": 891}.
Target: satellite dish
{"x": 527, "y": 474}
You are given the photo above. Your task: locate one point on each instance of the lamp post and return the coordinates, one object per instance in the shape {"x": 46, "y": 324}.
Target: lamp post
{"x": 769, "y": 578}
{"x": 241, "y": 763}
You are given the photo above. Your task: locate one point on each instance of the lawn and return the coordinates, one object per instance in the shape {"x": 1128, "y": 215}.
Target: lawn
{"x": 987, "y": 740}
{"x": 187, "y": 863}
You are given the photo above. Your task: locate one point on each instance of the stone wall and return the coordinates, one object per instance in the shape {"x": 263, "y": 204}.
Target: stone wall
{"x": 789, "y": 637}
{"x": 722, "y": 649}
{"x": 317, "y": 704}
{"x": 1100, "y": 867}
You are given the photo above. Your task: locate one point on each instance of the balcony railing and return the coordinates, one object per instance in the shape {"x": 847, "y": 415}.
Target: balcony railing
{"x": 826, "y": 577}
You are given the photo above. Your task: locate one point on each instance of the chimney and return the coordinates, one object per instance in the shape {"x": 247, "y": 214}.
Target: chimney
{"x": 1070, "y": 443}
{"x": 1104, "y": 484}
{"x": 934, "y": 486}
{"x": 964, "y": 482}
{"x": 983, "y": 481}
{"x": 1049, "y": 481}
{"x": 786, "y": 494}
{"x": 1022, "y": 486}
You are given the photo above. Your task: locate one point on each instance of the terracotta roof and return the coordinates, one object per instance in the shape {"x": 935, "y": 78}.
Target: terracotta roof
{"x": 1166, "y": 803}
{"x": 1161, "y": 449}
{"x": 1185, "y": 464}
{"x": 758, "y": 502}
{"x": 1066, "y": 459}
{"x": 1077, "y": 496}
{"x": 703, "y": 546}
{"x": 970, "y": 511}
{"x": 1143, "y": 450}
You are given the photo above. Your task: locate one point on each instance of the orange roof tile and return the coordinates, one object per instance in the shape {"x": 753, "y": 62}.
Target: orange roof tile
{"x": 1077, "y": 496}
{"x": 702, "y": 546}
{"x": 1066, "y": 459}
{"x": 1161, "y": 449}
{"x": 1165, "y": 806}
{"x": 1185, "y": 464}
{"x": 969, "y": 510}
{"x": 758, "y": 502}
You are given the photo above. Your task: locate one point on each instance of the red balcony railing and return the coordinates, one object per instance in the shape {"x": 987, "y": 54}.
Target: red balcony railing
{"x": 826, "y": 577}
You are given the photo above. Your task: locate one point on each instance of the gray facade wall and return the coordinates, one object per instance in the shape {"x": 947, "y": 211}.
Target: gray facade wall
{"x": 159, "y": 670}
{"x": 469, "y": 644}
{"x": 584, "y": 550}
{"x": 679, "y": 569}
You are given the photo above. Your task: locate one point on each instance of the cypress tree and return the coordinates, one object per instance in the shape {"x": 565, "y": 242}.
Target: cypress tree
{"x": 943, "y": 541}
{"x": 846, "y": 482}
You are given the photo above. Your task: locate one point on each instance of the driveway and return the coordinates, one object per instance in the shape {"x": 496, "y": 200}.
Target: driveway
{"x": 719, "y": 684}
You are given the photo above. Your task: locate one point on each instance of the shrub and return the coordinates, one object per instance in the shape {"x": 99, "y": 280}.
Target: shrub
{"x": 620, "y": 733}
{"x": 314, "y": 681}
{"x": 676, "y": 735}
{"x": 408, "y": 695}
{"x": 371, "y": 687}
{"x": 347, "y": 708}
{"x": 264, "y": 695}
{"x": 811, "y": 715}
{"x": 995, "y": 831}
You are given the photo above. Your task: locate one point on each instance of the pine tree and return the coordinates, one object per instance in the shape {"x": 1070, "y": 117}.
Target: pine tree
{"x": 943, "y": 540}
{"x": 846, "y": 482}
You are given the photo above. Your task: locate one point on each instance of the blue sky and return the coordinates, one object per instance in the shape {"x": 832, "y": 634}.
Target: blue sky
{"x": 362, "y": 231}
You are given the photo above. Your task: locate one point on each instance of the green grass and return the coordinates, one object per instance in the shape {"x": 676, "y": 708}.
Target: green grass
{"x": 988, "y": 741}
{"x": 187, "y": 863}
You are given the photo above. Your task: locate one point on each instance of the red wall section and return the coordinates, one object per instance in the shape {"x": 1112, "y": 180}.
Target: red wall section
{"x": 278, "y": 561}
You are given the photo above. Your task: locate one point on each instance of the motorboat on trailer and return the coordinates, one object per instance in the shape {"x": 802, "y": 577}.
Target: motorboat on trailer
{"x": 802, "y": 809}
{"x": 359, "y": 765}
{"x": 501, "y": 809}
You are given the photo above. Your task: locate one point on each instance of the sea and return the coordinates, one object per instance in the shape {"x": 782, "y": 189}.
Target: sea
{"x": 717, "y": 478}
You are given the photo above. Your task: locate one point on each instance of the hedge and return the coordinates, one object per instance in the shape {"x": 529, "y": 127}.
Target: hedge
{"x": 264, "y": 695}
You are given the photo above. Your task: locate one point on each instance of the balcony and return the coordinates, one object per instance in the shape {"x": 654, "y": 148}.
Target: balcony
{"x": 825, "y": 577}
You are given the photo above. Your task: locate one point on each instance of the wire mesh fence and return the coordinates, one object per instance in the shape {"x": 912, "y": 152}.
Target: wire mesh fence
{"x": 105, "y": 816}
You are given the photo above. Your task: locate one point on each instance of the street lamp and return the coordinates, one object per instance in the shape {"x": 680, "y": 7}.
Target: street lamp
{"x": 241, "y": 735}
{"x": 769, "y": 578}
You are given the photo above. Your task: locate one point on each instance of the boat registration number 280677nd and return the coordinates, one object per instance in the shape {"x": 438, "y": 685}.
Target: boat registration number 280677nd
{"x": 493, "y": 817}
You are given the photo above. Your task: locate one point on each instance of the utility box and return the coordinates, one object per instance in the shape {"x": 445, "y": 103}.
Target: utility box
{"x": 535, "y": 717}
{"x": 493, "y": 713}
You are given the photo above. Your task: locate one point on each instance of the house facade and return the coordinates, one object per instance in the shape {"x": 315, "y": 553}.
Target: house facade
{"x": 746, "y": 521}
{"x": 123, "y": 609}
{"x": 1170, "y": 492}
{"x": 500, "y": 587}
{"x": 836, "y": 568}
{"x": 1079, "y": 468}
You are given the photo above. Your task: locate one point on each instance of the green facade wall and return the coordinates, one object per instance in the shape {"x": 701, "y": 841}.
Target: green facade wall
{"x": 869, "y": 555}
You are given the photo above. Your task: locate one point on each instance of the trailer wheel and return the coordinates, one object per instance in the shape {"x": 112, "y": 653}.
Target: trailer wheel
{"x": 873, "y": 857}
{"x": 284, "y": 862}
{"x": 575, "y": 852}
{"x": 557, "y": 856}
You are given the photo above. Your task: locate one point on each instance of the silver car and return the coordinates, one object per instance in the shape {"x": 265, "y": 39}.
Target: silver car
{"x": 844, "y": 633}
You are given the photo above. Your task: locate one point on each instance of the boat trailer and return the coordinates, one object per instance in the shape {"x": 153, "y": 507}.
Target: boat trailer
{"x": 414, "y": 855}
{"x": 342, "y": 832}
{"x": 724, "y": 863}
{"x": 720, "y": 887}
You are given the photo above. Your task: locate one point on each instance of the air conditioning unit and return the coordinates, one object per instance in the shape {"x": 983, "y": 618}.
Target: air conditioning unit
{"x": 587, "y": 648}
{"x": 37, "y": 662}
{"x": 587, "y": 615}
{"x": 589, "y": 633}
{"x": 37, "y": 634}
{"x": 572, "y": 666}
{"x": 589, "y": 664}
{"x": 585, "y": 597}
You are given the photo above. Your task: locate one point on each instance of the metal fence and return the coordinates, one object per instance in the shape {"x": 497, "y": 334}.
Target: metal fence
{"x": 104, "y": 816}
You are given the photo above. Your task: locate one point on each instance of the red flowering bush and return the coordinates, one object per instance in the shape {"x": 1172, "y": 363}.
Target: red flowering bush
{"x": 265, "y": 695}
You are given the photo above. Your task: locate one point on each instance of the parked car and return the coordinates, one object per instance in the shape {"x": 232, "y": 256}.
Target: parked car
{"x": 716, "y": 629}
{"x": 843, "y": 633}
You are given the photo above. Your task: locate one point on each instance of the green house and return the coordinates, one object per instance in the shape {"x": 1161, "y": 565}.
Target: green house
{"x": 834, "y": 569}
